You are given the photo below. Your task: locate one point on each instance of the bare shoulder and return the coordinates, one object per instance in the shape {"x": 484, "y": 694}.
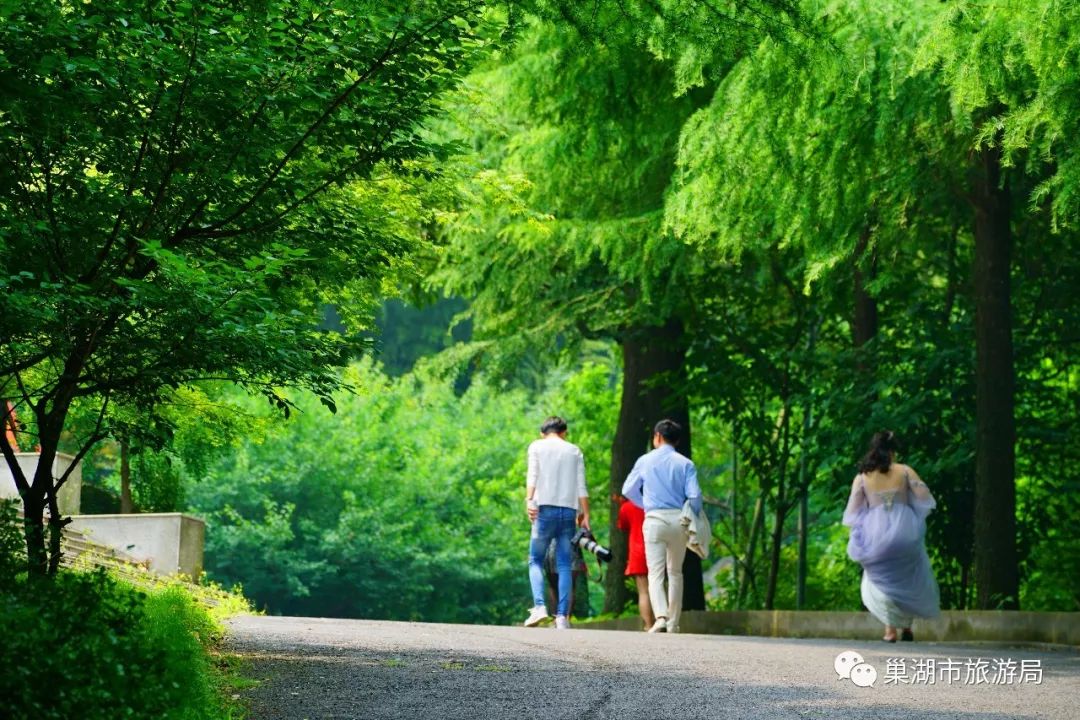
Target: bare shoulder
{"x": 909, "y": 472}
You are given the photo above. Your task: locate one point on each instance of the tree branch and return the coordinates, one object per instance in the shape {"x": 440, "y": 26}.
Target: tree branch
{"x": 237, "y": 145}
{"x": 304, "y": 199}
{"x": 391, "y": 49}
{"x": 299, "y": 144}
{"x": 174, "y": 133}
{"x": 25, "y": 364}
{"x": 103, "y": 254}
{"x": 92, "y": 439}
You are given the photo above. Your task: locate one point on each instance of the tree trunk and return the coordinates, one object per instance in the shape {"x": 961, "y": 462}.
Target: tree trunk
{"x": 781, "y": 509}
{"x": 653, "y": 368}
{"x": 36, "y": 501}
{"x": 751, "y": 544}
{"x": 33, "y": 508}
{"x": 127, "y": 506}
{"x": 37, "y": 559}
{"x": 734, "y": 507}
{"x": 800, "y": 573}
{"x": 56, "y": 531}
{"x": 996, "y": 572}
{"x": 51, "y": 427}
{"x": 779, "y": 517}
{"x": 804, "y": 485}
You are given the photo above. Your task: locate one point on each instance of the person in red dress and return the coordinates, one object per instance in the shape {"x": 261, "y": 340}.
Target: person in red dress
{"x": 631, "y": 520}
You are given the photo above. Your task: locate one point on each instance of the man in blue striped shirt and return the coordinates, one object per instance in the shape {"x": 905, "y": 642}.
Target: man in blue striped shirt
{"x": 661, "y": 482}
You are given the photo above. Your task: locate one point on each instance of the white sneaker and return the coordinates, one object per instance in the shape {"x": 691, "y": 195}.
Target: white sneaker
{"x": 537, "y": 616}
{"x": 672, "y": 628}
{"x": 562, "y": 622}
{"x": 659, "y": 626}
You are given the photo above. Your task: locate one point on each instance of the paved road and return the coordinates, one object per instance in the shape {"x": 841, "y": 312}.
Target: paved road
{"x": 320, "y": 669}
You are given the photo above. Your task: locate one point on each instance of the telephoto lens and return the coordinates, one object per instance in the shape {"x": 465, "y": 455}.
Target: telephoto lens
{"x": 585, "y": 540}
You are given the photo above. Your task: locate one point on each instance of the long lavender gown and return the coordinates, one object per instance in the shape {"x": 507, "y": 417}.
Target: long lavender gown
{"x": 888, "y": 532}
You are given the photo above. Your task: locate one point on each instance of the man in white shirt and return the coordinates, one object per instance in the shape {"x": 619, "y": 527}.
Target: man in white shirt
{"x": 556, "y": 500}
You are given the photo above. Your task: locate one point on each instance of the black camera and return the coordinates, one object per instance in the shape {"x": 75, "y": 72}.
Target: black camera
{"x": 584, "y": 539}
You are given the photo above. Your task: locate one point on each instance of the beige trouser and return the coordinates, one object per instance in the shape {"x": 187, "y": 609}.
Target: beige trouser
{"x": 665, "y": 548}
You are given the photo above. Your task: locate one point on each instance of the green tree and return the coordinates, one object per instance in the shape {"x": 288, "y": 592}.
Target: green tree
{"x": 186, "y": 185}
{"x": 791, "y": 170}
{"x": 407, "y": 504}
{"x": 1012, "y": 89}
{"x": 581, "y": 138}
{"x": 895, "y": 182}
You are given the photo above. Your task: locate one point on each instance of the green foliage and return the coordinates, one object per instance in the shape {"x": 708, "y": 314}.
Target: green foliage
{"x": 800, "y": 172}
{"x": 12, "y": 550}
{"x": 754, "y": 170}
{"x": 406, "y": 333}
{"x": 558, "y": 236}
{"x": 406, "y": 504}
{"x": 220, "y": 127}
{"x": 186, "y": 186}
{"x": 814, "y": 154}
{"x": 1022, "y": 95}
{"x": 182, "y": 631}
{"x": 1052, "y": 569}
{"x": 109, "y": 651}
{"x": 695, "y": 33}
{"x": 833, "y": 580}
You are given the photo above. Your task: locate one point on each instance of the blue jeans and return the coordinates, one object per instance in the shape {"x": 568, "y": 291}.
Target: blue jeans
{"x": 558, "y": 523}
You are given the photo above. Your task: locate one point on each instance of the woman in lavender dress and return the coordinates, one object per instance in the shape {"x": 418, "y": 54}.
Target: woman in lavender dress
{"x": 887, "y": 515}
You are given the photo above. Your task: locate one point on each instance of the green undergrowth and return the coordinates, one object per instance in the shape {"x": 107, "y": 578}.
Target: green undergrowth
{"x": 94, "y": 646}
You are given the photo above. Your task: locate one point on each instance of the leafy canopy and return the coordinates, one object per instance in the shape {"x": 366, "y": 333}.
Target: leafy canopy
{"x": 186, "y": 184}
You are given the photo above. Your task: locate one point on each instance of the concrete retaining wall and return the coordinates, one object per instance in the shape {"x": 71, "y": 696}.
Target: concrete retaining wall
{"x": 951, "y": 626}
{"x": 171, "y": 542}
{"x": 70, "y": 494}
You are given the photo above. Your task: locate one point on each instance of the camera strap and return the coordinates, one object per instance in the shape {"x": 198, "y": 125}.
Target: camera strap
{"x": 600, "y": 570}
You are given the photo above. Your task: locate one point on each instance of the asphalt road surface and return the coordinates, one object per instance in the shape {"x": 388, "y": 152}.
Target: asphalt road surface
{"x": 320, "y": 669}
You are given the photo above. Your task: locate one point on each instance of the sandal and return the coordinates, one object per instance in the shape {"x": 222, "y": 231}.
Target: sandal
{"x": 907, "y": 636}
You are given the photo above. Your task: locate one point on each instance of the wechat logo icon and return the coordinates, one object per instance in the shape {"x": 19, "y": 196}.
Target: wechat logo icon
{"x": 849, "y": 665}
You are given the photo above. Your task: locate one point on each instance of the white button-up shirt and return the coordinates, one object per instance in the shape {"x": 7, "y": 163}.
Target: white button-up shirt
{"x": 557, "y": 471}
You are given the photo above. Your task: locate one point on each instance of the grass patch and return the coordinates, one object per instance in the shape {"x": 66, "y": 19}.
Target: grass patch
{"x": 392, "y": 663}
{"x": 88, "y": 645}
{"x": 452, "y": 665}
{"x": 231, "y": 679}
{"x": 494, "y": 668}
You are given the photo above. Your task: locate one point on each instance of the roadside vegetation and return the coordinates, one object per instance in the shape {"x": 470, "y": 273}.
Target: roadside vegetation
{"x": 93, "y": 646}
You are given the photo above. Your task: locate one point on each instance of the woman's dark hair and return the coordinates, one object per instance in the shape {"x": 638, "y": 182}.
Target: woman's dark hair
{"x": 670, "y": 430}
{"x": 877, "y": 458}
{"x": 553, "y": 424}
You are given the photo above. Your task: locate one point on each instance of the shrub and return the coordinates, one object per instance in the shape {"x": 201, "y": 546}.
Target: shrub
{"x": 89, "y": 646}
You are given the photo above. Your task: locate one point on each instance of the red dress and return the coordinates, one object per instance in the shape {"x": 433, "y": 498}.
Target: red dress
{"x": 631, "y": 520}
